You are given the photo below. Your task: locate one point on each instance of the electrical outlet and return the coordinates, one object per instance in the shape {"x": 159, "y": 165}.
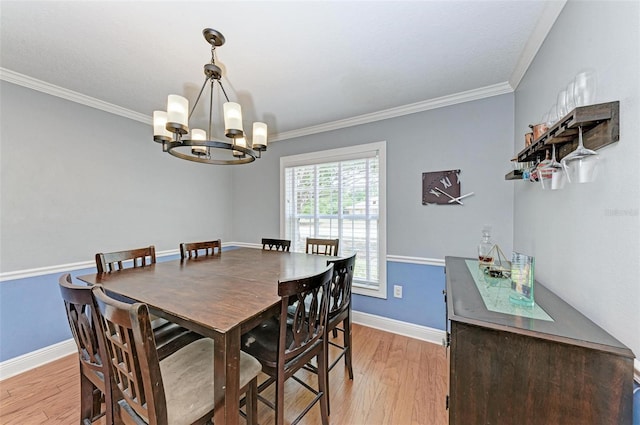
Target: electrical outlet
{"x": 397, "y": 291}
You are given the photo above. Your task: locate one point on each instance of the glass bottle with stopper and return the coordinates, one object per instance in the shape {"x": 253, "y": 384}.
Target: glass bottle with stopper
{"x": 485, "y": 257}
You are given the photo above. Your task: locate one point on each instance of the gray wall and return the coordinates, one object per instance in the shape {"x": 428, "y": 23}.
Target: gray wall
{"x": 76, "y": 181}
{"x": 475, "y": 137}
{"x": 586, "y": 238}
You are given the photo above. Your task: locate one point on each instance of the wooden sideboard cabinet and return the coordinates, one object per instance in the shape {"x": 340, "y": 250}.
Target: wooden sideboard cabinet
{"x": 508, "y": 369}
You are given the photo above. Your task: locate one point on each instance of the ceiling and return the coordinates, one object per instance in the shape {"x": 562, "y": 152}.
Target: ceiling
{"x": 300, "y": 66}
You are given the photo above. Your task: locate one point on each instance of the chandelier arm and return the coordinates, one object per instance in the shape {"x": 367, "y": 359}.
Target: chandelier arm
{"x": 223, "y": 90}
{"x": 198, "y": 98}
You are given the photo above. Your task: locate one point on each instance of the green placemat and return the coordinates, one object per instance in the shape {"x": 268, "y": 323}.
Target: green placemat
{"x": 495, "y": 294}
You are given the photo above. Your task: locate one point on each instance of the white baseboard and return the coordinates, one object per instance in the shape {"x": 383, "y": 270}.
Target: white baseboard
{"x": 25, "y": 362}
{"x": 411, "y": 330}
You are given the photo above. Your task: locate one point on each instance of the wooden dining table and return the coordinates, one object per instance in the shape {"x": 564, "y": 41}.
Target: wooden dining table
{"x": 221, "y": 297}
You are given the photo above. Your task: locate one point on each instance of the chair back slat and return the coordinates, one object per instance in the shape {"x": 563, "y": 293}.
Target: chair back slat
{"x": 113, "y": 261}
{"x": 132, "y": 355}
{"x": 310, "y": 296}
{"x": 322, "y": 246}
{"x": 276, "y": 244}
{"x": 341, "y": 284}
{"x": 190, "y": 249}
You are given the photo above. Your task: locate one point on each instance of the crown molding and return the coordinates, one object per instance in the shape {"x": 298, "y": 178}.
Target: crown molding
{"x": 439, "y": 102}
{"x": 61, "y": 92}
{"x": 412, "y": 108}
{"x": 549, "y": 15}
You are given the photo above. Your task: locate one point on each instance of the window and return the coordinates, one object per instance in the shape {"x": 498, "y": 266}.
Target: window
{"x": 340, "y": 193}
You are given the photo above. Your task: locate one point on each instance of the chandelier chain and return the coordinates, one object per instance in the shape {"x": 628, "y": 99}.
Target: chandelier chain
{"x": 211, "y": 108}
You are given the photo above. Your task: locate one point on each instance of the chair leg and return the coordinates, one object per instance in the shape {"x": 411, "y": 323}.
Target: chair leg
{"x": 108, "y": 407}
{"x": 323, "y": 380}
{"x": 280, "y": 397}
{"x": 347, "y": 345}
{"x": 117, "y": 415}
{"x": 318, "y": 372}
{"x": 87, "y": 399}
{"x": 252, "y": 402}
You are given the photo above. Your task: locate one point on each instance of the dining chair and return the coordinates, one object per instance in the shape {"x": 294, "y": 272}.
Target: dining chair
{"x": 276, "y": 244}
{"x": 95, "y": 383}
{"x": 169, "y": 336}
{"x": 178, "y": 390}
{"x": 340, "y": 307}
{"x": 322, "y": 246}
{"x": 284, "y": 344}
{"x": 340, "y": 315}
{"x": 190, "y": 249}
{"x": 113, "y": 261}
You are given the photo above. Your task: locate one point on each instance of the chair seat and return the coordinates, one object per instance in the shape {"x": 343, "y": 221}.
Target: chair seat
{"x": 182, "y": 375}
{"x": 262, "y": 341}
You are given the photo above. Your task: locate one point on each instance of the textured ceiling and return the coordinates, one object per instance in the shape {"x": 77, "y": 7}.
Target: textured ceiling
{"x": 292, "y": 64}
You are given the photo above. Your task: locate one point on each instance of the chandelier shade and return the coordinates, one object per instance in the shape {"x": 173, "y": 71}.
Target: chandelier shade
{"x": 171, "y": 127}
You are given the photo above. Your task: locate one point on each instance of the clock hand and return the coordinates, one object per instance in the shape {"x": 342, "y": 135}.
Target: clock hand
{"x": 452, "y": 198}
{"x": 460, "y": 197}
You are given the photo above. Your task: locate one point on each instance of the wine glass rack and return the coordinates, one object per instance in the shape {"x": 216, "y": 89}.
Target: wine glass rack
{"x": 600, "y": 127}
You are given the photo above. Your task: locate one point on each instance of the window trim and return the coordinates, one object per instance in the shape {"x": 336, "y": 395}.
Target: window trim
{"x": 342, "y": 154}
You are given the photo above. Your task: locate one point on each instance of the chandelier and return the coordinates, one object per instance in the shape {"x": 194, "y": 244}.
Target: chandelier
{"x": 171, "y": 127}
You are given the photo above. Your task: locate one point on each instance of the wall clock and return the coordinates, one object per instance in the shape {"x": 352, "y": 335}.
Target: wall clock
{"x": 442, "y": 187}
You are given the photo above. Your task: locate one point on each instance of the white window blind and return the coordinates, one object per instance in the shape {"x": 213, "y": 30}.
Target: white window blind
{"x": 338, "y": 196}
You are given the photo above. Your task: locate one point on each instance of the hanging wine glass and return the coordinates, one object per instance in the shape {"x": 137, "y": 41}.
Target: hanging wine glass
{"x": 580, "y": 165}
{"x": 541, "y": 169}
{"x": 551, "y": 174}
{"x": 533, "y": 172}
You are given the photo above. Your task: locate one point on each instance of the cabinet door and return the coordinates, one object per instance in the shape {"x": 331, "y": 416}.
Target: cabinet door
{"x": 498, "y": 377}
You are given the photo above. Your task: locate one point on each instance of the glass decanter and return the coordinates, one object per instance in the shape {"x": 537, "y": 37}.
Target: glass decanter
{"x": 484, "y": 248}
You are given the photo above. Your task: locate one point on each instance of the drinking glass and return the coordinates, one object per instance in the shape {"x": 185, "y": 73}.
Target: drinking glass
{"x": 584, "y": 88}
{"x": 580, "y": 165}
{"x": 571, "y": 98}
{"x": 552, "y": 116}
{"x": 562, "y": 104}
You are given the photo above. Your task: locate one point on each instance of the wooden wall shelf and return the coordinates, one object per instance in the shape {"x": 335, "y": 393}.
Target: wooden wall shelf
{"x": 514, "y": 175}
{"x": 600, "y": 127}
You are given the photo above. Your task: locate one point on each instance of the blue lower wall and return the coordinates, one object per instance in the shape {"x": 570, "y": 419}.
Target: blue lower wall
{"x": 422, "y": 302}
{"x": 32, "y": 314}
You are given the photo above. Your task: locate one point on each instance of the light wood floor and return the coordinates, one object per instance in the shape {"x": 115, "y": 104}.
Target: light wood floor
{"x": 397, "y": 380}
